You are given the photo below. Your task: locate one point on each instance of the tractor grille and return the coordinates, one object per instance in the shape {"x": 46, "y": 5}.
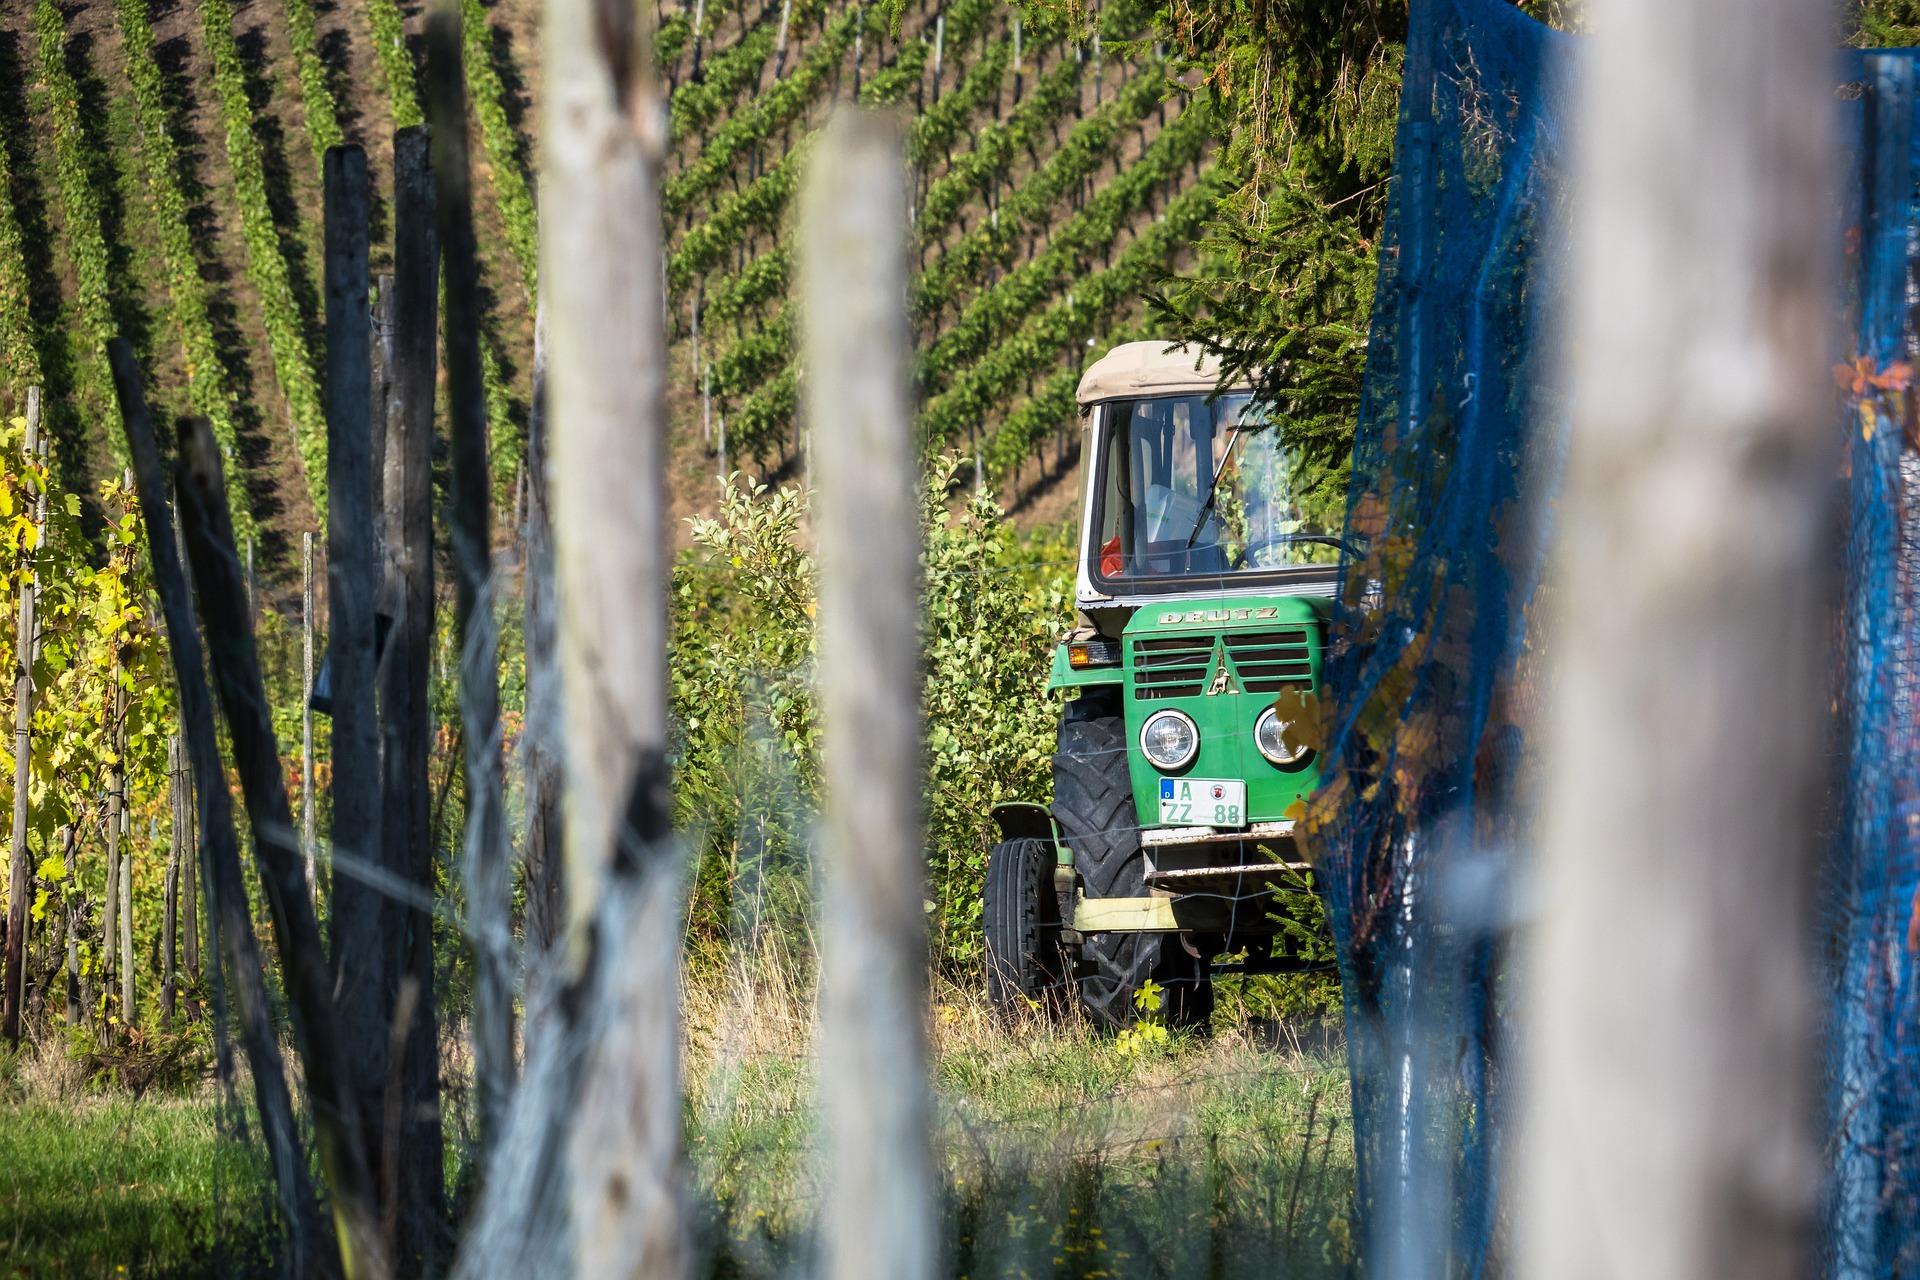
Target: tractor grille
{"x": 1172, "y": 668}
{"x": 1269, "y": 661}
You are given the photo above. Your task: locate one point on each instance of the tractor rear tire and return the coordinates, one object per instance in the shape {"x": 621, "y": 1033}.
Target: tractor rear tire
{"x": 1093, "y": 802}
{"x": 1025, "y": 963}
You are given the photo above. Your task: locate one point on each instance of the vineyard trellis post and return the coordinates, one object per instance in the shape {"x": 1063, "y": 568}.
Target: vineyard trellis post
{"x": 308, "y": 1244}
{"x": 170, "y": 892}
{"x": 879, "y": 1215}
{"x": 406, "y": 714}
{"x": 76, "y": 999}
{"x": 486, "y": 873}
{"x": 360, "y": 912}
{"x": 19, "y": 868}
{"x": 306, "y": 977}
{"x": 1671, "y": 1022}
{"x": 119, "y": 817}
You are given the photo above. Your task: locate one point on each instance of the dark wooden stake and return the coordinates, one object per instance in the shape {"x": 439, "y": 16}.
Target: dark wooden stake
{"x": 310, "y": 1248}
{"x": 170, "y": 907}
{"x": 406, "y": 715}
{"x": 235, "y": 666}
{"x": 361, "y": 914}
{"x": 487, "y": 877}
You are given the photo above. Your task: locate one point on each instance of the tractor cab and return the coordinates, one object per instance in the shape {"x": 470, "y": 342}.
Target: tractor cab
{"x": 1202, "y": 596}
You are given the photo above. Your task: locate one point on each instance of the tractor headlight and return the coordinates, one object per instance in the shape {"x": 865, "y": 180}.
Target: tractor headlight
{"x": 1268, "y": 736}
{"x": 1170, "y": 740}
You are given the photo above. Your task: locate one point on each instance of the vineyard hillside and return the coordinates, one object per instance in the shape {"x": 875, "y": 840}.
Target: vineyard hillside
{"x": 160, "y": 178}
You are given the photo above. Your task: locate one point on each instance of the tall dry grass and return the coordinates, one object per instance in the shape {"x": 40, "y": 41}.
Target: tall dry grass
{"x": 1060, "y": 1151}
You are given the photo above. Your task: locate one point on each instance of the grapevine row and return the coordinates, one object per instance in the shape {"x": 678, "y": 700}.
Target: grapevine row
{"x": 207, "y": 389}
{"x": 403, "y": 104}
{"x": 724, "y": 76}
{"x": 763, "y": 414}
{"x": 1092, "y": 230}
{"x": 79, "y": 202}
{"x": 973, "y": 394}
{"x": 266, "y": 262}
{"x": 935, "y": 130}
{"x": 501, "y": 144}
{"x": 764, "y": 278}
{"x": 1045, "y": 410}
{"x": 1031, "y": 208}
{"x": 323, "y": 122}
{"x": 752, "y": 358}
{"x": 396, "y": 63}
{"x": 995, "y": 148}
{"x": 17, "y": 350}
{"x": 787, "y": 101}
{"x": 891, "y": 84}
{"x": 765, "y": 115}
{"x": 735, "y": 215}
{"x": 763, "y": 202}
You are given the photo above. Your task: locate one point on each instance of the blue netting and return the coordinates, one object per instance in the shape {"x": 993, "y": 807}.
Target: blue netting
{"x": 1430, "y": 681}
{"x": 1873, "y": 1221}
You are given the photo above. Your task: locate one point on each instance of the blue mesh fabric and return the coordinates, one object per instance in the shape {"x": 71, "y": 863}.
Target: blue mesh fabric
{"x": 1430, "y": 681}
{"x": 1873, "y": 877}
{"x": 1461, "y": 428}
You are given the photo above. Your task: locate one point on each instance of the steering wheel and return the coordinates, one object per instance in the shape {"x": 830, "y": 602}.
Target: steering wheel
{"x": 1283, "y": 539}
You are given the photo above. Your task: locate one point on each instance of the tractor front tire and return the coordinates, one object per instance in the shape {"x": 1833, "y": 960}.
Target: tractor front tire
{"x": 1025, "y": 964}
{"x": 1093, "y": 802}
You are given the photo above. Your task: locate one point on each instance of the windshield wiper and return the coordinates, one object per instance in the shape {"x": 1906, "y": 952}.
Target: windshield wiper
{"x": 1206, "y": 508}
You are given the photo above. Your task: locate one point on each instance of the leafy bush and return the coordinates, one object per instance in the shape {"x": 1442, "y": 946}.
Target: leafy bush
{"x": 747, "y": 727}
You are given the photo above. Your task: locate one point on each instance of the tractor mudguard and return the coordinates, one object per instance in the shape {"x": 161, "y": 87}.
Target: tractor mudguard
{"x": 1064, "y": 676}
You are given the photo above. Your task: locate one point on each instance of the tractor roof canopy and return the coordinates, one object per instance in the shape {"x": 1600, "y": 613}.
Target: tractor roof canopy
{"x": 1155, "y": 368}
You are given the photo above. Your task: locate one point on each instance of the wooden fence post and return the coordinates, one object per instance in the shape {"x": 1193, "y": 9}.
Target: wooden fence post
{"x": 406, "y": 716}
{"x": 361, "y": 915}
{"x": 310, "y": 1248}
{"x": 19, "y": 868}
{"x": 487, "y": 874}
{"x": 1668, "y": 1129}
{"x": 606, "y": 393}
{"x": 873, "y": 1003}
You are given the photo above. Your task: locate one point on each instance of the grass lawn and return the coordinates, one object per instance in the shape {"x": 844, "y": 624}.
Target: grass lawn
{"x": 119, "y": 1186}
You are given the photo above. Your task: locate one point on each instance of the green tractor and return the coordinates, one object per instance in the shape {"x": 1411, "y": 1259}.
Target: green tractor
{"x": 1202, "y": 601}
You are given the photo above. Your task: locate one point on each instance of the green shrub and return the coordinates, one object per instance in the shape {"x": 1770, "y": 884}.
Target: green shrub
{"x": 747, "y": 727}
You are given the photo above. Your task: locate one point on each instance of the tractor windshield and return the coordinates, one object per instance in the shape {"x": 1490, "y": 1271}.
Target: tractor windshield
{"x": 1191, "y": 489}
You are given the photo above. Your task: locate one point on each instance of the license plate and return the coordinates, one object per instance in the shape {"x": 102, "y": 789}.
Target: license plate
{"x": 1203, "y": 802}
